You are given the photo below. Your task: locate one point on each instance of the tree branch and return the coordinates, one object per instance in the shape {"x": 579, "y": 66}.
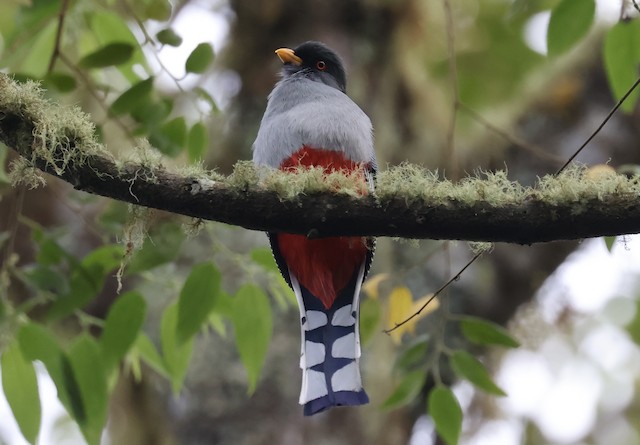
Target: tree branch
{"x": 410, "y": 202}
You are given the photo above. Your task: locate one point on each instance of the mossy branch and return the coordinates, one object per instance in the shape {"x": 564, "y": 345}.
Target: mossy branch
{"x": 411, "y": 202}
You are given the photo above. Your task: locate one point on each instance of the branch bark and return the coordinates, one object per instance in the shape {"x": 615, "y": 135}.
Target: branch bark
{"x": 528, "y": 219}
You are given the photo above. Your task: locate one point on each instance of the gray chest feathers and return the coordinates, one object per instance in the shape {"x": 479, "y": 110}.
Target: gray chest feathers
{"x": 303, "y": 112}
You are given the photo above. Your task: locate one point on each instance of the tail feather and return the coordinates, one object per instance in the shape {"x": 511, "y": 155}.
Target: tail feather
{"x": 330, "y": 348}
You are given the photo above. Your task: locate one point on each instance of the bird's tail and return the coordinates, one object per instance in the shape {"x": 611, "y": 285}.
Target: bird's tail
{"x": 330, "y": 352}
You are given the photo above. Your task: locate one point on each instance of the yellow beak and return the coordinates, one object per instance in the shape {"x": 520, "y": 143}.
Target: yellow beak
{"x": 286, "y": 55}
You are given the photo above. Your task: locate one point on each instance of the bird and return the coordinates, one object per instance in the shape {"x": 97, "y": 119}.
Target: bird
{"x": 309, "y": 122}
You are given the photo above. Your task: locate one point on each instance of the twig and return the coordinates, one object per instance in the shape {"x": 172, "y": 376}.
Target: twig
{"x": 604, "y": 122}
{"x": 56, "y": 46}
{"x": 533, "y": 149}
{"x": 453, "y": 75}
{"x": 435, "y": 294}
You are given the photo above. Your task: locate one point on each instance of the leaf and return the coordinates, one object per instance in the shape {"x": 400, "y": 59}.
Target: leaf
{"x": 108, "y": 55}
{"x": 159, "y": 10}
{"x": 169, "y": 37}
{"x": 253, "y": 325}
{"x": 468, "y": 367}
{"x": 407, "y": 390}
{"x": 199, "y": 59}
{"x": 144, "y": 348}
{"x": 372, "y": 285}
{"x": 88, "y": 369}
{"x": 570, "y": 21}
{"x": 176, "y": 356}
{"x": 121, "y": 327}
{"x": 414, "y": 355}
{"x": 444, "y": 409}
{"x": 197, "y": 299}
{"x": 621, "y": 60}
{"x": 484, "y": 332}
{"x": 35, "y": 62}
{"x": 264, "y": 257}
{"x": 206, "y": 97}
{"x": 370, "y": 314}
{"x": 87, "y": 280}
{"x": 133, "y": 97}
{"x": 38, "y": 343}
{"x": 171, "y": 137}
{"x": 609, "y": 241}
{"x": 60, "y": 81}
{"x": 20, "y": 386}
{"x": 198, "y": 142}
{"x": 402, "y": 306}
{"x": 160, "y": 247}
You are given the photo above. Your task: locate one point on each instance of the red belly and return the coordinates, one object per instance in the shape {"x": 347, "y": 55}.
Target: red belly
{"x": 324, "y": 266}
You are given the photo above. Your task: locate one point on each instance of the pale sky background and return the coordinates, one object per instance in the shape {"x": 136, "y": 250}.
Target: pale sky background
{"x": 560, "y": 384}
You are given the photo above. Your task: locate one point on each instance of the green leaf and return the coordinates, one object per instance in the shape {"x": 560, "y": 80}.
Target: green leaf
{"x": 609, "y": 241}
{"x": 35, "y": 62}
{"x": 414, "y": 355}
{"x": 159, "y": 10}
{"x": 88, "y": 369}
{"x": 198, "y": 142}
{"x": 370, "y": 315}
{"x": 87, "y": 280}
{"x": 484, "y": 332}
{"x": 121, "y": 327}
{"x": 264, "y": 257}
{"x": 470, "y": 368}
{"x": 253, "y": 325}
{"x": 171, "y": 137}
{"x": 20, "y": 387}
{"x": 444, "y": 409}
{"x": 206, "y": 97}
{"x": 570, "y": 21}
{"x": 46, "y": 278}
{"x": 38, "y": 343}
{"x": 151, "y": 113}
{"x": 133, "y": 97}
{"x": 144, "y": 348}
{"x": 109, "y": 55}
{"x": 50, "y": 252}
{"x": 176, "y": 356}
{"x": 407, "y": 390}
{"x": 197, "y": 299}
{"x": 60, "y": 81}
{"x": 199, "y": 59}
{"x": 169, "y": 37}
{"x": 621, "y": 60}
{"x": 161, "y": 247}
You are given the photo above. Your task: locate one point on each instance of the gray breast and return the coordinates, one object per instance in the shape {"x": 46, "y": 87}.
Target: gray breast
{"x": 303, "y": 112}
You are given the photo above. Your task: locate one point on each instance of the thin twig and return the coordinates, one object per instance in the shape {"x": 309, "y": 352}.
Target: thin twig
{"x": 452, "y": 163}
{"x": 517, "y": 142}
{"x": 56, "y": 46}
{"x": 435, "y": 294}
{"x": 604, "y": 122}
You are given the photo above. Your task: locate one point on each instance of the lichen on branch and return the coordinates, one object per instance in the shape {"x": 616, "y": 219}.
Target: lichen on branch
{"x": 409, "y": 202}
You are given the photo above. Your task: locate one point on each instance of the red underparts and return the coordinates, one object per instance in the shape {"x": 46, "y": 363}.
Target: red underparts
{"x": 324, "y": 266}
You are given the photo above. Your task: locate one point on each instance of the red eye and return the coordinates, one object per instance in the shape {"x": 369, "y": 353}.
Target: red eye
{"x": 321, "y": 65}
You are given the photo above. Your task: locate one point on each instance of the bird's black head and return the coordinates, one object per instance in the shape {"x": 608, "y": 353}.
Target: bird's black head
{"x": 315, "y": 60}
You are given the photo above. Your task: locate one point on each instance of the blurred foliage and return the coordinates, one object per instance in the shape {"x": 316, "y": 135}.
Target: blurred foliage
{"x": 60, "y": 276}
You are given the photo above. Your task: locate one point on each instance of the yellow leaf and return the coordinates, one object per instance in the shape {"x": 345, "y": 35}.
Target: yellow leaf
{"x": 371, "y": 286}
{"x": 400, "y": 306}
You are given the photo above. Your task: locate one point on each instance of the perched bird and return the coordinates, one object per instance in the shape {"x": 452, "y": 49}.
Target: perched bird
{"x": 310, "y": 121}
